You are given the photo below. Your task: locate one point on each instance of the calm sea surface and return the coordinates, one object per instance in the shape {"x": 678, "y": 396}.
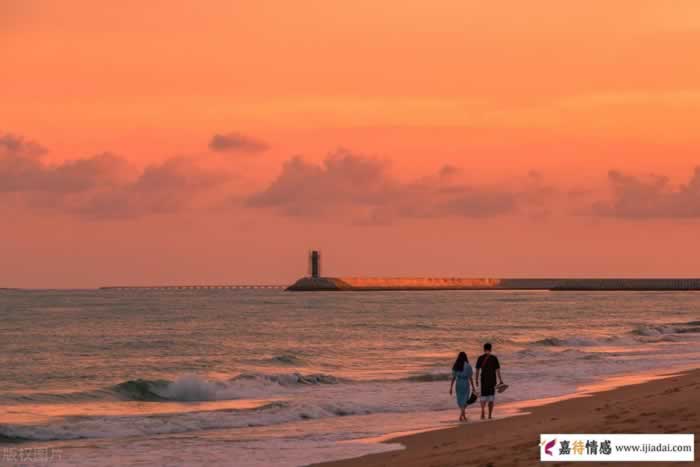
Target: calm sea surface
{"x": 253, "y": 378}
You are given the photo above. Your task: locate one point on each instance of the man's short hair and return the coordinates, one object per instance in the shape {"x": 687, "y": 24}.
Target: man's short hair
{"x": 487, "y": 346}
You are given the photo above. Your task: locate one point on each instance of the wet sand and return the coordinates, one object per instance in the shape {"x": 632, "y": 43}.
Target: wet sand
{"x": 668, "y": 405}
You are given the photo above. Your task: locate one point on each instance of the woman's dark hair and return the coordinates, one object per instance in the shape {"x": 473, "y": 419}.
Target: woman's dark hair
{"x": 459, "y": 363}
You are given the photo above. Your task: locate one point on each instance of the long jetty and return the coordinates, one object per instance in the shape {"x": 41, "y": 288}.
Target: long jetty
{"x": 454, "y": 283}
{"x": 192, "y": 287}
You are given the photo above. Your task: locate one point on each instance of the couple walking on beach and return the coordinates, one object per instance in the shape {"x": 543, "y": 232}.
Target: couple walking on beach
{"x": 488, "y": 370}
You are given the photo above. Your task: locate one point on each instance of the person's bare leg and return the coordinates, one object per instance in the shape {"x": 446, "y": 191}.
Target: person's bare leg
{"x": 490, "y": 408}
{"x": 483, "y": 406}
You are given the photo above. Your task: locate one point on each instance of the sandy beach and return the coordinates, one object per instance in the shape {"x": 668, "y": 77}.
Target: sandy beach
{"x": 668, "y": 405}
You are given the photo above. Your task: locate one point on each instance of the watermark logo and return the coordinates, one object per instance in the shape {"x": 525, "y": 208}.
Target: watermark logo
{"x": 29, "y": 456}
{"x": 548, "y": 446}
{"x": 617, "y": 447}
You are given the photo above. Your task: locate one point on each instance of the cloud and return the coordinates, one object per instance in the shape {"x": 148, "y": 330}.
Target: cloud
{"x": 163, "y": 188}
{"x": 12, "y": 146}
{"x": 22, "y": 171}
{"x": 347, "y": 185}
{"x": 305, "y": 189}
{"x": 102, "y": 186}
{"x": 79, "y": 175}
{"x": 653, "y": 197}
{"x": 236, "y": 142}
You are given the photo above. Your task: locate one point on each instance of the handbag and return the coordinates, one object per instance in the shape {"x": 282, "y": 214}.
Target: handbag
{"x": 472, "y": 398}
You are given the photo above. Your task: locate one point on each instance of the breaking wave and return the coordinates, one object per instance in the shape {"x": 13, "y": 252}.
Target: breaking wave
{"x": 287, "y": 359}
{"x": 646, "y": 333}
{"x": 192, "y": 388}
{"x": 663, "y": 330}
{"x": 567, "y": 342}
{"x": 123, "y": 426}
{"x": 148, "y": 425}
{"x": 11, "y": 439}
{"x": 427, "y": 377}
{"x": 290, "y": 379}
{"x": 141, "y": 389}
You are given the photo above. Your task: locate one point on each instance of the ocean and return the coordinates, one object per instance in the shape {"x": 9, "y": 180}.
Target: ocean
{"x": 267, "y": 377}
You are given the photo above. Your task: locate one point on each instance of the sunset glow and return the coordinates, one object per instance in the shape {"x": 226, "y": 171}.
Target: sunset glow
{"x": 219, "y": 141}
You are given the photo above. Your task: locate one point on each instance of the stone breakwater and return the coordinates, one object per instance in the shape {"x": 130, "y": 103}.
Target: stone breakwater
{"x": 454, "y": 283}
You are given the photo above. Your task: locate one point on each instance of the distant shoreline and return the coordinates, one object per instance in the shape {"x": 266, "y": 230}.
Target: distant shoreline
{"x": 372, "y": 284}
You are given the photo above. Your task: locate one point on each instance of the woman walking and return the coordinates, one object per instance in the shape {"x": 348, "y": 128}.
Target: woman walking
{"x": 462, "y": 373}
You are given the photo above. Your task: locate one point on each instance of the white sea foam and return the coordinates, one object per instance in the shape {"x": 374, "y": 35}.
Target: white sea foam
{"x": 193, "y": 388}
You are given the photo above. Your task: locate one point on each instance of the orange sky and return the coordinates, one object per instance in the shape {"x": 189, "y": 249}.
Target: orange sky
{"x": 109, "y": 172}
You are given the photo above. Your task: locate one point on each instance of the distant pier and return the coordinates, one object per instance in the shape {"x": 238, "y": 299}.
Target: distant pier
{"x": 192, "y": 287}
{"x": 316, "y": 282}
{"x": 445, "y": 283}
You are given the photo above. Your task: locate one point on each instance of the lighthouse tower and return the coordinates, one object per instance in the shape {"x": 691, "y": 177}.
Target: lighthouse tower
{"x": 315, "y": 264}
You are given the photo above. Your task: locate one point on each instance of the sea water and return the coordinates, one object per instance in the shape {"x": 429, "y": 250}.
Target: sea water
{"x": 267, "y": 377}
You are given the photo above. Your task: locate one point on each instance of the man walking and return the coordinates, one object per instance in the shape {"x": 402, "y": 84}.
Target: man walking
{"x": 489, "y": 369}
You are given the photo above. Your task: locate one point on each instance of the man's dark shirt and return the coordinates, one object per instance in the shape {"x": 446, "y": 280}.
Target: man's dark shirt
{"x": 488, "y": 369}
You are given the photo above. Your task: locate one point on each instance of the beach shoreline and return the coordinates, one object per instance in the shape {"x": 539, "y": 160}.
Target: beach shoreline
{"x": 662, "y": 402}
